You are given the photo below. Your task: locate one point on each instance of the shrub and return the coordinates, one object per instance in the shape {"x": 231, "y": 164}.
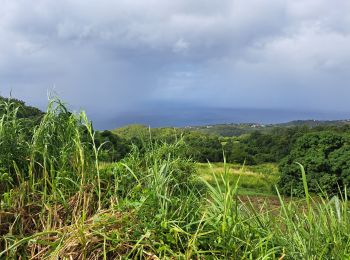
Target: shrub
{"x": 326, "y": 157}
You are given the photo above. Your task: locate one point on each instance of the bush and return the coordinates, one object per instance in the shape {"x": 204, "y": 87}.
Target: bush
{"x": 326, "y": 158}
{"x": 113, "y": 147}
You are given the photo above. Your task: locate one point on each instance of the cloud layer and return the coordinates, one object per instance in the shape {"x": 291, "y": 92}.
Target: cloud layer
{"x": 113, "y": 57}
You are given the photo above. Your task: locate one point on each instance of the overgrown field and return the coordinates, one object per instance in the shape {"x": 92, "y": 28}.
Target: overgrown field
{"x": 59, "y": 202}
{"x": 253, "y": 180}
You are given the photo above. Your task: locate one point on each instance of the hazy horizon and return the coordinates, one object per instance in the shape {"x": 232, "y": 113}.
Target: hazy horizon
{"x": 199, "y": 116}
{"x": 173, "y": 115}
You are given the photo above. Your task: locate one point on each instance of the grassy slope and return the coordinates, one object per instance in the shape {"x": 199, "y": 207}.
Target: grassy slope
{"x": 253, "y": 180}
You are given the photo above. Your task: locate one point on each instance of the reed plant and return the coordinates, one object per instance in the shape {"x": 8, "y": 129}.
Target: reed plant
{"x": 59, "y": 202}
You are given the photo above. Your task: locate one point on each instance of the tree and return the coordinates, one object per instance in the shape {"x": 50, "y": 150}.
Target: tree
{"x": 325, "y": 156}
{"x": 114, "y": 147}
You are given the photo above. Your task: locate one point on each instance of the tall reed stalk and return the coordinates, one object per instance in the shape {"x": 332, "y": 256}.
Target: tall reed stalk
{"x": 58, "y": 202}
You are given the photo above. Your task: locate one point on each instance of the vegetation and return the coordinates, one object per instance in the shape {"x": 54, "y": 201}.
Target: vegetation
{"x": 230, "y": 130}
{"x": 24, "y": 111}
{"x": 151, "y": 200}
{"x": 253, "y": 180}
{"x": 326, "y": 156}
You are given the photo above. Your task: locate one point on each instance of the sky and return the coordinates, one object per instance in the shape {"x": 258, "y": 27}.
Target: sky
{"x": 183, "y": 62}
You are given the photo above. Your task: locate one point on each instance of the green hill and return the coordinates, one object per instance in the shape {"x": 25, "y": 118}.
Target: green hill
{"x": 229, "y": 130}
{"x": 24, "y": 111}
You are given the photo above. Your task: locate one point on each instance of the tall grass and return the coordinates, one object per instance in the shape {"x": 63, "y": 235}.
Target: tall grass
{"x": 59, "y": 202}
{"x": 253, "y": 180}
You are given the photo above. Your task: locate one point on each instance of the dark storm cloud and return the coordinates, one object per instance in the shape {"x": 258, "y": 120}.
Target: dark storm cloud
{"x": 114, "y": 57}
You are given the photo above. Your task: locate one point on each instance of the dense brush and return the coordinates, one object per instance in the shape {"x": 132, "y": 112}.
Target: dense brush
{"x": 59, "y": 202}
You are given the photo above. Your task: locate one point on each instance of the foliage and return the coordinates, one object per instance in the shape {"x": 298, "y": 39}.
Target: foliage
{"x": 253, "y": 148}
{"x": 325, "y": 156}
{"x": 238, "y": 129}
{"x": 113, "y": 147}
{"x": 13, "y": 139}
{"x": 24, "y": 111}
{"x": 253, "y": 180}
{"x": 57, "y": 201}
{"x": 200, "y": 147}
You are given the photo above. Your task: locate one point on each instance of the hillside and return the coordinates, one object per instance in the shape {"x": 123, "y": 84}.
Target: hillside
{"x": 65, "y": 195}
{"x": 24, "y": 111}
{"x": 229, "y": 130}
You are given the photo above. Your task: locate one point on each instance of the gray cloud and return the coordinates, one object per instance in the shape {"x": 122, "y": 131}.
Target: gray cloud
{"x": 113, "y": 57}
